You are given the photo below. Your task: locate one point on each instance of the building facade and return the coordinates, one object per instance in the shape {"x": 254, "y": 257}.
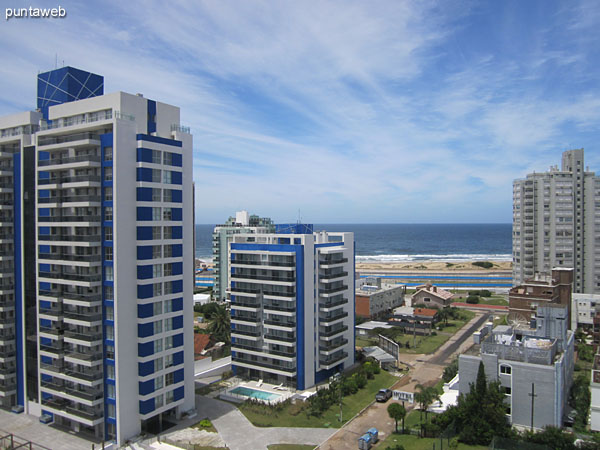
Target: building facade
{"x": 595, "y": 397}
{"x": 222, "y": 237}
{"x": 103, "y": 319}
{"x": 527, "y": 361}
{"x": 584, "y": 308}
{"x": 541, "y": 289}
{"x": 375, "y": 299}
{"x": 556, "y": 219}
{"x": 292, "y": 305}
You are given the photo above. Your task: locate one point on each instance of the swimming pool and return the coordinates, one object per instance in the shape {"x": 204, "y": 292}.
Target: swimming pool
{"x": 255, "y": 393}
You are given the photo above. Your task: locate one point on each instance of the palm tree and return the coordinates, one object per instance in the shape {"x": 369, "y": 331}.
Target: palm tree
{"x": 425, "y": 396}
{"x": 397, "y": 412}
{"x": 220, "y": 325}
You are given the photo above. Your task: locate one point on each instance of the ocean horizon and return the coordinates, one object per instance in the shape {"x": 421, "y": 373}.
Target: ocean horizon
{"x": 409, "y": 242}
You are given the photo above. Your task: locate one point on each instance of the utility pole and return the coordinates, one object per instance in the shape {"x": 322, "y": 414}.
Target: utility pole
{"x": 341, "y": 419}
{"x": 533, "y": 396}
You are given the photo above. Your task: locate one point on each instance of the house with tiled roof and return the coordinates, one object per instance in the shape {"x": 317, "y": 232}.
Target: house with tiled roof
{"x": 418, "y": 320}
{"x": 430, "y": 295}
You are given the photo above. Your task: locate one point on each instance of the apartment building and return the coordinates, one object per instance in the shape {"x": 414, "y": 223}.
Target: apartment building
{"x": 103, "y": 250}
{"x": 292, "y": 305}
{"x": 375, "y": 299}
{"x": 556, "y": 223}
{"x": 533, "y": 365}
{"x": 243, "y": 222}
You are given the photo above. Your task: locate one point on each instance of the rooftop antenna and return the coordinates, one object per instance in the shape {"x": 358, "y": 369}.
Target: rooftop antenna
{"x": 299, "y": 217}
{"x": 56, "y": 60}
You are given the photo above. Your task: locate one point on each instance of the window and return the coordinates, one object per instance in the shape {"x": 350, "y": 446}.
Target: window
{"x": 168, "y": 232}
{"x": 156, "y": 233}
{"x": 156, "y": 212}
{"x": 168, "y": 158}
{"x": 110, "y": 371}
{"x": 168, "y": 306}
{"x": 168, "y": 288}
{"x": 168, "y": 361}
{"x": 108, "y": 194}
{"x": 426, "y": 299}
{"x": 108, "y": 233}
{"x": 108, "y": 153}
{"x": 168, "y": 251}
{"x": 157, "y": 327}
{"x": 157, "y": 271}
{"x": 158, "y": 346}
{"x": 507, "y": 370}
{"x": 108, "y": 253}
{"x": 110, "y": 332}
{"x": 169, "y": 324}
{"x": 111, "y": 410}
{"x": 158, "y": 383}
{"x": 108, "y": 174}
{"x": 156, "y": 175}
{"x": 159, "y": 401}
{"x": 157, "y": 289}
{"x": 169, "y": 379}
{"x": 110, "y": 351}
{"x": 108, "y": 213}
{"x": 110, "y": 391}
{"x": 158, "y": 364}
{"x": 110, "y": 312}
{"x": 167, "y": 195}
{"x": 108, "y": 293}
{"x": 156, "y": 194}
{"x": 156, "y": 251}
{"x": 156, "y": 156}
{"x": 109, "y": 273}
{"x": 168, "y": 345}
{"x": 157, "y": 308}
{"x": 167, "y": 176}
{"x": 168, "y": 269}
{"x": 167, "y": 214}
{"x": 169, "y": 396}
{"x": 506, "y": 390}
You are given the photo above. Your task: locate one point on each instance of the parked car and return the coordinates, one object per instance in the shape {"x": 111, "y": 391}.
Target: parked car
{"x": 383, "y": 395}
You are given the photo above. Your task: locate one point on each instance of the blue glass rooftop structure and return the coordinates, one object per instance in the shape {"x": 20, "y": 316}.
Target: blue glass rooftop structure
{"x": 66, "y": 84}
{"x": 294, "y": 228}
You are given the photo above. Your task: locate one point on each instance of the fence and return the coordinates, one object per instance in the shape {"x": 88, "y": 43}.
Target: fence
{"x": 9, "y": 441}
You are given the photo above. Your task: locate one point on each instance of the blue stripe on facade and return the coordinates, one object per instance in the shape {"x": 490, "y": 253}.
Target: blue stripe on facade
{"x": 151, "y": 116}
{"x": 158, "y": 140}
{"x": 19, "y": 298}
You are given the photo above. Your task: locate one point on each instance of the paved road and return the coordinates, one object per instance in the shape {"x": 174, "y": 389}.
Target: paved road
{"x": 239, "y": 434}
{"x": 442, "y": 355}
{"x": 424, "y": 370}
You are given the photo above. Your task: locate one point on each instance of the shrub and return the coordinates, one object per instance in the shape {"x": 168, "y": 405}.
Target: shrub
{"x": 485, "y": 293}
{"x": 361, "y": 380}
{"x": 484, "y": 264}
{"x": 205, "y": 423}
{"x": 473, "y": 299}
{"x": 450, "y": 371}
{"x": 474, "y": 293}
{"x": 433, "y": 333}
{"x": 376, "y": 369}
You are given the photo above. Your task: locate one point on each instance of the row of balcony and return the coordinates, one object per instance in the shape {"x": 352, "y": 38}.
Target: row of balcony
{"x": 69, "y": 179}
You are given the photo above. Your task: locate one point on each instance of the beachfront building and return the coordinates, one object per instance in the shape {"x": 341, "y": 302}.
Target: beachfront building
{"x": 556, "y": 220}
{"x": 102, "y": 263}
{"x": 541, "y": 289}
{"x": 375, "y": 299}
{"x": 245, "y": 223}
{"x": 292, "y": 305}
{"x": 430, "y": 295}
{"x": 527, "y": 361}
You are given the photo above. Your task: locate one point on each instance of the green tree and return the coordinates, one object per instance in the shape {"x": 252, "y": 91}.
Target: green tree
{"x": 450, "y": 371}
{"x": 220, "y": 324}
{"x": 552, "y": 437}
{"x": 425, "y": 396}
{"x": 397, "y": 412}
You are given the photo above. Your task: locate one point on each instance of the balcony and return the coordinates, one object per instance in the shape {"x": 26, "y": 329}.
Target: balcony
{"x": 333, "y": 332}
{"x": 332, "y": 360}
{"x": 70, "y": 238}
{"x": 74, "y": 179}
{"x": 70, "y": 257}
{"x": 332, "y": 261}
{"x": 53, "y": 140}
{"x": 254, "y": 333}
{"x": 263, "y": 364}
{"x": 88, "y": 376}
{"x": 84, "y": 357}
{"x": 287, "y": 294}
{"x": 56, "y": 350}
{"x": 333, "y": 317}
{"x": 87, "y": 318}
{"x": 71, "y": 296}
{"x": 69, "y": 218}
{"x": 329, "y": 277}
{"x": 235, "y": 262}
{"x": 333, "y": 304}
{"x": 88, "y": 338}
{"x": 88, "y": 278}
{"x": 71, "y": 199}
{"x": 275, "y": 337}
{"x": 332, "y": 290}
{"x": 246, "y": 319}
{"x": 280, "y": 323}
{"x": 244, "y": 276}
{"x": 283, "y": 308}
{"x": 329, "y": 346}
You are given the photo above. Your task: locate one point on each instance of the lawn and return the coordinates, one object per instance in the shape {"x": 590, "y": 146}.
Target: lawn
{"x": 290, "y": 447}
{"x": 425, "y": 344}
{"x": 365, "y": 342}
{"x": 293, "y": 415}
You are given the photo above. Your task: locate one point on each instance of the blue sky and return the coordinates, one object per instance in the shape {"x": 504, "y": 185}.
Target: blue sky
{"x": 347, "y": 111}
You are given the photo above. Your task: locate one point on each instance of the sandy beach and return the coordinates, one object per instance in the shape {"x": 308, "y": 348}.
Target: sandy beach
{"x": 431, "y": 266}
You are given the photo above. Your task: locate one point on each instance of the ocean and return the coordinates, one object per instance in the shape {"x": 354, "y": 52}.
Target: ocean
{"x": 409, "y": 242}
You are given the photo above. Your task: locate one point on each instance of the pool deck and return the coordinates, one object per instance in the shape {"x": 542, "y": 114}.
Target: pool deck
{"x": 283, "y": 393}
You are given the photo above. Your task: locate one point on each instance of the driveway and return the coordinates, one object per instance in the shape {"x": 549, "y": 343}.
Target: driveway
{"x": 239, "y": 434}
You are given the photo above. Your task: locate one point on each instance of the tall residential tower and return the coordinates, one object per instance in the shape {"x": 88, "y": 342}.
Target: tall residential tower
{"x": 556, "y": 223}
{"x": 102, "y": 220}
{"x": 292, "y": 305}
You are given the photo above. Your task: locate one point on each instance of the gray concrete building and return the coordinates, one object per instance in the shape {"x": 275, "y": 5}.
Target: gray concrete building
{"x": 537, "y": 360}
{"x": 222, "y": 237}
{"x": 556, "y": 221}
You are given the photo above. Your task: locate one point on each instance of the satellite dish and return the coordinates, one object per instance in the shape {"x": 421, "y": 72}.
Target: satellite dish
{"x": 516, "y": 319}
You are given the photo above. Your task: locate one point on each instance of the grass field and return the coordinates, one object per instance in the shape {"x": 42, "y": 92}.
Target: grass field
{"x": 291, "y": 416}
{"x": 290, "y": 447}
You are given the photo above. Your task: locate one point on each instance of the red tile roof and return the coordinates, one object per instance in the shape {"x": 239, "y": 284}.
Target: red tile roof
{"x": 425, "y": 312}
{"x": 201, "y": 341}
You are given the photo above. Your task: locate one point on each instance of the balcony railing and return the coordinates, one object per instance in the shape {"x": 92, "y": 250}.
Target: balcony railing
{"x": 328, "y": 261}
{"x": 69, "y": 218}
{"x": 70, "y": 257}
{"x": 333, "y": 345}
{"x": 333, "y": 359}
{"x": 246, "y": 333}
{"x": 72, "y": 276}
{"x": 74, "y": 179}
{"x": 333, "y": 331}
{"x": 70, "y": 238}
{"x": 264, "y": 364}
{"x": 284, "y": 308}
{"x": 263, "y": 263}
{"x": 333, "y": 290}
{"x": 333, "y": 304}
{"x": 83, "y": 337}
{"x": 275, "y": 337}
{"x": 333, "y": 317}
{"x": 262, "y": 277}
{"x": 70, "y": 199}
{"x": 52, "y": 140}
{"x": 280, "y": 323}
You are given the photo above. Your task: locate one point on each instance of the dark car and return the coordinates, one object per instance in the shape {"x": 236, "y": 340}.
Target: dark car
{"x": 383, "y": 395}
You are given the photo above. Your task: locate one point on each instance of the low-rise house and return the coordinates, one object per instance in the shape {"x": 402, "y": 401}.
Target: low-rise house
{"x": 533, "y": 365}
{"x": 419, "y": 320}
{"x": 367, "y": 328}
{"x": 375, "y": 299}
{"x": 430, "y": 295}
{"x": 584, "y": 308}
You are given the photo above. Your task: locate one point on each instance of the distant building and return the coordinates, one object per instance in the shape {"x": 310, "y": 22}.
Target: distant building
{"x": 292, "y": 305}
{"x": 222, "y": 236}
{"x": 430, "y": 295}
{"x": 368, "y": 328}
{"x": 522, "y": 359}
{"x": 556, "y": 221}
{"x": 419, "y": 320}
{"x": 540, "y": 290}
{"x": 374, "y": 299}
{"x": 584, "y": 308}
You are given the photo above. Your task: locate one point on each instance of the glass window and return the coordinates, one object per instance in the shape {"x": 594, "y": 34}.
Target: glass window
{"x": 168, "y": 306}
{"x": 108, "y": 213}
{"x": 168, "y": 287}
{"x": 167, "y": 214}
{"x": 158, "y": 346}
{"x": 168, "y": 251}
{"x": 158, "y": 401}
{"x": 108, "y": 253}
{"x": 156, "y": 251}
{"x": 157, "y": 270}
{"x": 168, "y": 232}
{"x": 110, "y": 332}
{"x": 110, "y": 391}
{"x": 167, "y": 176}
{"x": 156, "y": 212}
{"x": 108, "y": 293}
{"x": 156, "y": 175}
{"x": 109, "y": 273}
{"x": 168, "y": 269}
{"x": 157, "y": 289}
{"x": 156, "y": 233}
{"x": 156, "y": 156}
{"x": 169, "y": 324}
{"x": 108, "y": 194}
{"x": 168, "y": 345}
{"x": 157, "y": 308}
{"x": 169, "y": 396}
{"x": 111, "y": 410}
{"x": 157, "y": 327}
{"x": 108, "y": 153}
{"x": 108, "y": 233}
{"x": 110, "y": 371}
{"x": 108, "y": 174}
{"x": 168, "y": 158}
{"x": 169, "y": 379}
{"x": 156, "y": 194}
{"x": 110, "y": 312}
{"x": 158, "y": 383}
{"x": 158, "y": 364}
{"x": 505, "y": 369}
{"x": 168, "y": 361}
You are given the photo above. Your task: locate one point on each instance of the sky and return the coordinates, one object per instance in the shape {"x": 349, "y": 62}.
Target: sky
{"x": 346, "y": 111}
